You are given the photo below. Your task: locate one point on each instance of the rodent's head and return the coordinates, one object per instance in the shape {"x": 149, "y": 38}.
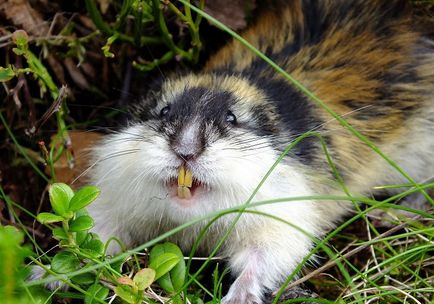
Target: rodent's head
{"x": 200, "y": 141}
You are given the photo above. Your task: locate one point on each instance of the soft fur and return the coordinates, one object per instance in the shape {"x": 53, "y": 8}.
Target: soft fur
{"x": 369, "y": 61}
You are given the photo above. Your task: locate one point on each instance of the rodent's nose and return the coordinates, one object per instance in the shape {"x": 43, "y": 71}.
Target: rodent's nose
{"x": 188, "y": 144}
{"x": 187, "y": 150}
{"x": 186, "y": 157}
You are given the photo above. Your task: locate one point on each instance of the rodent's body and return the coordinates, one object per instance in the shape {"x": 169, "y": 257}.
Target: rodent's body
{"x": 367, "y": 60}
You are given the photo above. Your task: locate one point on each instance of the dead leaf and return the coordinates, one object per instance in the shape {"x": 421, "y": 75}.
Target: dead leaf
{"x": 87, "y": 22}
{"x": 81, "y": 143}
{"x": 57, "y": 69}
{"x": 75, "y": 73}
{"x": 104, "y": 5}
{"x": 22, "y": 14}
{"x": 126, "y": 281}
{"x": 88, "y": 70}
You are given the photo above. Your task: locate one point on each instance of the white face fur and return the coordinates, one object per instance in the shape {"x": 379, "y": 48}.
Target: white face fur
{"x": 139, "y": 165}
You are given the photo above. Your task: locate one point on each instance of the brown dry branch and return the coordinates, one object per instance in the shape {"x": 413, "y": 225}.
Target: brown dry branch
{"x": 23, "y": 16}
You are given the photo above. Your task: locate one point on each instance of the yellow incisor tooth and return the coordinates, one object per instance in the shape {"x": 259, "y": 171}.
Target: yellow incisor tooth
{"x": 185, "y": 181}
{"x": 181, "y": 176}
{"x": 184, "y": 192}
{"x": 187, "y": 193}
{"x": 188, "y": 178}
{"x": 185, "y": 178}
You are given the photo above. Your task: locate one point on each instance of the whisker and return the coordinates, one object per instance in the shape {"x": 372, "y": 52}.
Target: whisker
{"x": 109, "y": 156}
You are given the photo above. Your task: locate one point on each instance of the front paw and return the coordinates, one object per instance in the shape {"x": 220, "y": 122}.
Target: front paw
{"x": 294, "y": 293}
{"x": 37, "y": 273}
{"x": 241, "y": 297}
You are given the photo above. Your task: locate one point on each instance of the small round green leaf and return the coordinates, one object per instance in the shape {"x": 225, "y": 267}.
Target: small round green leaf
{"x": 96, "y": 292}
{"x": 60, "y": 195}
{"x": 47, "y": 218}
{"x": 68, "y": 215}
{"x": 93, "y": 247}
{"x": 163, "y": 263}
{"x": 81, "y": 223}
{"x": 6, "y": 74}
{"x": 84, "y": 278}
{"x": 126, "y": 293}
{"x": 65, "y": 262}
{"x": 144, "y": 278}
{"x": 83, "y": 197}
{"x": 82, "y": 237}
{"x": 173, "y": 280}
{"x": 59, "y": 234}
{"x": 81, "y": 212}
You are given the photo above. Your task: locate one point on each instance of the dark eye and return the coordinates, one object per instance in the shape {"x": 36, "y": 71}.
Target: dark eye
{"x": 164, "y": 111}
{"x": 231, "y": 118}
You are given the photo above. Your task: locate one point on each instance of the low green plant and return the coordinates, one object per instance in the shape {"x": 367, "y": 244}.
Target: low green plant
{"x": 131, "y": 290}
{"x": 13, "y": 271}
{"x": 134, "y": 16}
{"x": 168, "y": 261}
{"x": 79, "y": 247}
{"x": 46, "y": 84}
{"x": 166, "y": 267}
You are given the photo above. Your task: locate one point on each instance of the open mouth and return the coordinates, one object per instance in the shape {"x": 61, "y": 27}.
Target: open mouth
{"x": 187, "y": 185}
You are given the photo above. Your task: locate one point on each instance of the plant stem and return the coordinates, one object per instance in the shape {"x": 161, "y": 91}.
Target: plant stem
{"x": 166, "y": 35}
{"x": 21, "y": 150}
{"x": 65, "y": 226}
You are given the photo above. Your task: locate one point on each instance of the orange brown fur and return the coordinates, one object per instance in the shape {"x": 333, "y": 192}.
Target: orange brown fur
{"x": 350, "y": 68}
